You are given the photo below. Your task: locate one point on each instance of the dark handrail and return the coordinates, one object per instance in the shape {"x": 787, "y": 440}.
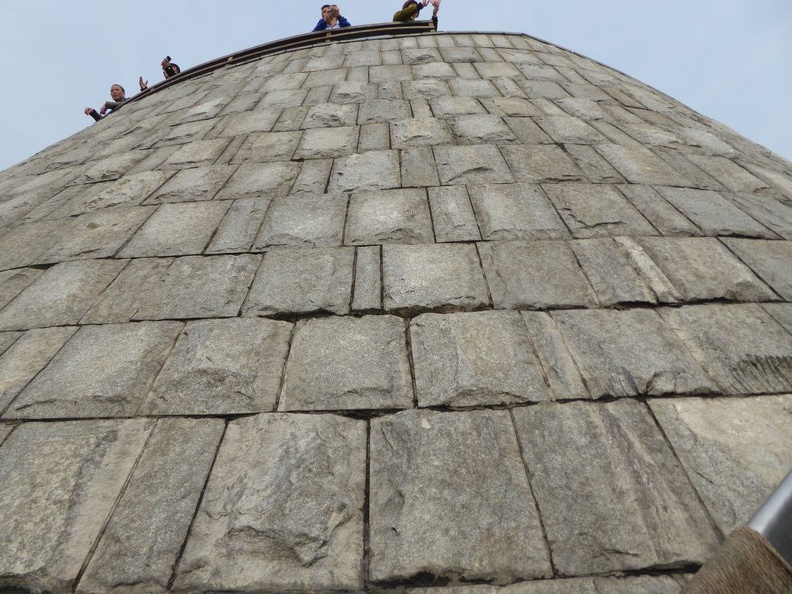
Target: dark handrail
{"x": 290, "y": 43}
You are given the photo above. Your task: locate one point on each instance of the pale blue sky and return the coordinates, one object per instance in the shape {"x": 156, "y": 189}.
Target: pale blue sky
{"x": 727, "y": 59}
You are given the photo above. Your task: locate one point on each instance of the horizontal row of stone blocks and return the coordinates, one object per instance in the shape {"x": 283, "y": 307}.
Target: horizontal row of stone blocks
{"x": 488, "y": 358}
{"x": 293, "y": 502}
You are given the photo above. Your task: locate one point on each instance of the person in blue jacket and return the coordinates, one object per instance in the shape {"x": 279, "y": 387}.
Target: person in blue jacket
{"x": 331, "y": 18}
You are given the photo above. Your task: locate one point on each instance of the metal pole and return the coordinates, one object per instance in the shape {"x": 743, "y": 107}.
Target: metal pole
{"x": 774, "y": 519}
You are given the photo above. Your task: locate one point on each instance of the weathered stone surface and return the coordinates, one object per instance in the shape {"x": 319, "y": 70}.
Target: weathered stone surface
{"x": 703, "y": 269}
{"x": 111, "y": 168}
{"x": 517, "y": 272}
{"x": 769, "y": 260}
{"x": 23, "y": 245}
{"x": 541, "y": 164}
{"x": 190, "y": 185}
{"x": 176, "y": 230}
{"x": 258, "y": 120}
{"x": 452, "y": 215}
{"x": 391, "y": 216}
{"x": 735, "y": 450}
{"x": 482, "y": 128}
{"x": 773, "y": 214}
{"x": 328, "y": 115}
{"x": 176, "y": 288}
{"x": 384, "y": 110}
{"x": 420, "y": 132}
{"x": 239, "y": 227}
{"x": 664, "y": 217}
{"x": 283, "y": 509}
{"x": 264, "y": 147}
{"x": 130, "y": 190}
{"x": 639, "y": 165}
{"x": 595, "y": 168}
{"x": 781, "y": 313}
{"x": 102, "y": 371}
{"x": 639, "y": 510}
{"x": 28, "y": 355}
{"x": 609, "y": 267}
{"x": 441, "y": 485}
{"x": 7, "y": 339}
{"x": 602, "y": 585}
{"x": 138, "y": 551}
{"x": 472, "y": 359}
{"x": 224, "y": 367}
{"x": 515, "y": 211}
{"x": 61, "y": 295}
{"x": 741, "y": 347}
{"x": 303, "y": 220}
{"x": 616, "y": 359}
{"x": 348, "y": 363}
{"x": 729, "y": 173}
{"x": 321, "y": 143}
{"x": 255, "y": 180}
{"x": 66, "y": 478}
{"x": 714, "y": 214}
{"x": 471, "y": 165}
{"x": 13, "y": 282}
{"x": 196, "y": 154}
{"x": 374, "y": 170}
{"x": 437, "y": 276}
{"x": 302, "y": 281}
{"x": 367, "y": 295}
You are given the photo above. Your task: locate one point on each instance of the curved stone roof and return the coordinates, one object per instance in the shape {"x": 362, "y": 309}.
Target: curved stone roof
{"x": 452, "y": 313}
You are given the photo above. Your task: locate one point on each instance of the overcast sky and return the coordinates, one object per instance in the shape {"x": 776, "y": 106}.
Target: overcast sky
{"x": 727, "y": 59}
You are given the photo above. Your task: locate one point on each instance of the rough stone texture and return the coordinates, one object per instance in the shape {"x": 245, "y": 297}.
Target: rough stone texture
{"x": 640, "y": 510}
{"x": 601, "y": 585}
{"x": 14, "y": 282}
{"x": 428, "y": 470}
{"x": 471, "y": 359}
{"x": 452, "y": 215}
{"x": 231, "y": 366}
{"x": 306, "y": 220}
{"x": 137, "y": 552}
{"x": 735, "y": 450}
{"x": 516, "y": 211}
{"x": 283, "y": 509}
{"x": 769, "y": 260}
{"x": 66, "y": 478}
{"x": 348, "y": 363}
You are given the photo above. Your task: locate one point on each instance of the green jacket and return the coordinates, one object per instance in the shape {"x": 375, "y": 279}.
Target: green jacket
{"x": 407, "y": 14}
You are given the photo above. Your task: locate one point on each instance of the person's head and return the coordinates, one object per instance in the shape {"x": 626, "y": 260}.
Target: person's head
{"x": 325, "y": 10}
{"x": 117, "y": 92}
{"x": 406, "y": 4}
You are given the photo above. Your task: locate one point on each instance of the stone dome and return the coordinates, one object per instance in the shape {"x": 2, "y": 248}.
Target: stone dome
{"x": 438, "y": 313}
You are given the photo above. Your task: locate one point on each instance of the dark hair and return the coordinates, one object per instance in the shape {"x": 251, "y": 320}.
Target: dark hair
{"x": 406, "y": 4}
{"x": 325, "y": 6}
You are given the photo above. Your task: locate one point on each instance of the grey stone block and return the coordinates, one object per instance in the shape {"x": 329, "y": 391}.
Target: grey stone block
{"x": 259, "y": 120}
{"x": 467, "y": 87}
{"x": 178, "y": 288}
{"x": 541, "y": 164}
{"x": 28, "y": 355}
{"x": 304, "y": 220}
{"x": 639, "y": 165}
{"x": 24, "y": 244}
{"x": 263, "y": 147}
{"x": 221, "y": 367}
{"x": 515, "y": 211}
{"x": 569, "y": 130}
{"x": 348, "y": 364}
{"x": 255, "y": 180}
{"x": 283, "y": 509}
{"x": 374, "y": 137}
{"x": 420, "y": 132}
{"x": 130, "y": 190}
{"x": 239, "y": 227}
{"x": 13, "y": 282}
{"x": 176, "y": 230}
{"x": 374, "y": 170}
{"x": 189, "y": 185}
{"x": 313, "y": 177}
{"x": 64, "y": 481}
{"x": 527, "y": 131}
{"x": 429, "y": 470}
{"x": 595, "y": 168}
{"x": 616, "y": 359}
{"x": 418, "y": 167}
{"x": 112, "y": 167}
{"x": 391, "y": 216}
{"x": 517, "y": 272}
{"x": 7, "y": 339}
{"x": 368, "y": 280}
{"x": 302, "y": 281}
{"x": 446, "y": 106}
{"x": 354, "y": 92}
{"x": 714, "y": 214}
{"x": 663, "y": 217}
{"x": 701, "y": 268}
{"x": 329, "y": 115}
{"x": 773, "y": 214}
{"x": 432, "y": 277}
{"x": 137, "y": 547}
{"x": 321, "y": 143}
{"x": 383, "y": 111}
{"x": 644, "y": 584}
{"x": 452, "y": 214}
{"x": 769, "y": 260}
{"x": 740, "y": 346}
{"x": 472, "y": 165}
{"x": 735, "y": 450}
{"x": 482, "y": 128}
{"x": 425, "y": 89}
{"x": 510, "y": 107}
{"x": 729, "y": 173}
{"x": 196, "y": 154}
{"x": 640, "y": 511}
{"x": 474, "y": 359}
{"x": 103, "y": 371}
{"x": 60, "y": 296}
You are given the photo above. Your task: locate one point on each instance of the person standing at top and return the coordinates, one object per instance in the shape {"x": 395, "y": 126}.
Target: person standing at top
{"x": 118, "y": 95}
{"x": 168, "y": 69}
{"x": 331, "y": 18}
{"x": 412, "y": 8}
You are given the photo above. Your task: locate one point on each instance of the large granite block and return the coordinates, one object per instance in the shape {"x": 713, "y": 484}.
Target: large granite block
{"x": 257, "y": 180}
{"x": 630, "y": 353}
{"x": 736, "y": 450}
{"x": 130, "y": 190}
{"x": 103, "y": 371}
{"x": 442, "y": 484}
{"x": 644, "y": 584}
{"x": 221, "y": 367}
{"x": 434, "y": 276}
{"x": 770, "y": 260}
{"x": 303, "y": 220}
{"x": 329, "y": 115}
{"x": 419, "y": 132}
{"x": 138, "y": 551}
{"x": 176, "y": 288}
{"x": 323, "y": 143}
{"x": 773, "y": 214}
{"x": 702, "y": 269}
{"x": 729, "y": 173}
{"x": 474, "y": 359}
{"x": 13, "y": 282}
{"x": 112, "y": 167}
{"x": 367, "y": 295}
{"x": 383, "y": 111}
{"x": 263, "y": 147}
{"x": 59, "y": 484}
{"x": 374, "y": 170}
{"x": 639, "y": 165}
{"x": 569, "y": 130}
{"x": 517, "y": 273}
{"x": 344, "y": 363}
{"x": 515, "y": 211}
{"x": 198, "y": 153}
{"x": 26, "y": 357}
{"x": 61, "y": 295}
{"x": 663, "y": 217}
{"x": 258, "y": 120}
{"x": 302, "y": 281}
{"x": 191, "y": 185}
{"x": 446, "y": 106}
{"x": 283, "y": 509}
{"x": 418, "y": 167}
{"x": 543, "y": 163}
{"x": 482, "y": 128}
{"x": 472, "y": 165}
{"x": 390, "y": 216}
{"x": 239, "y": 227}
{"x": 452, "y": 215}
{"x": 639, "y": 510}
{"x": 23, "y": 245}
{"x": 740, "y": 346}
{"x": 714, "y": 214}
